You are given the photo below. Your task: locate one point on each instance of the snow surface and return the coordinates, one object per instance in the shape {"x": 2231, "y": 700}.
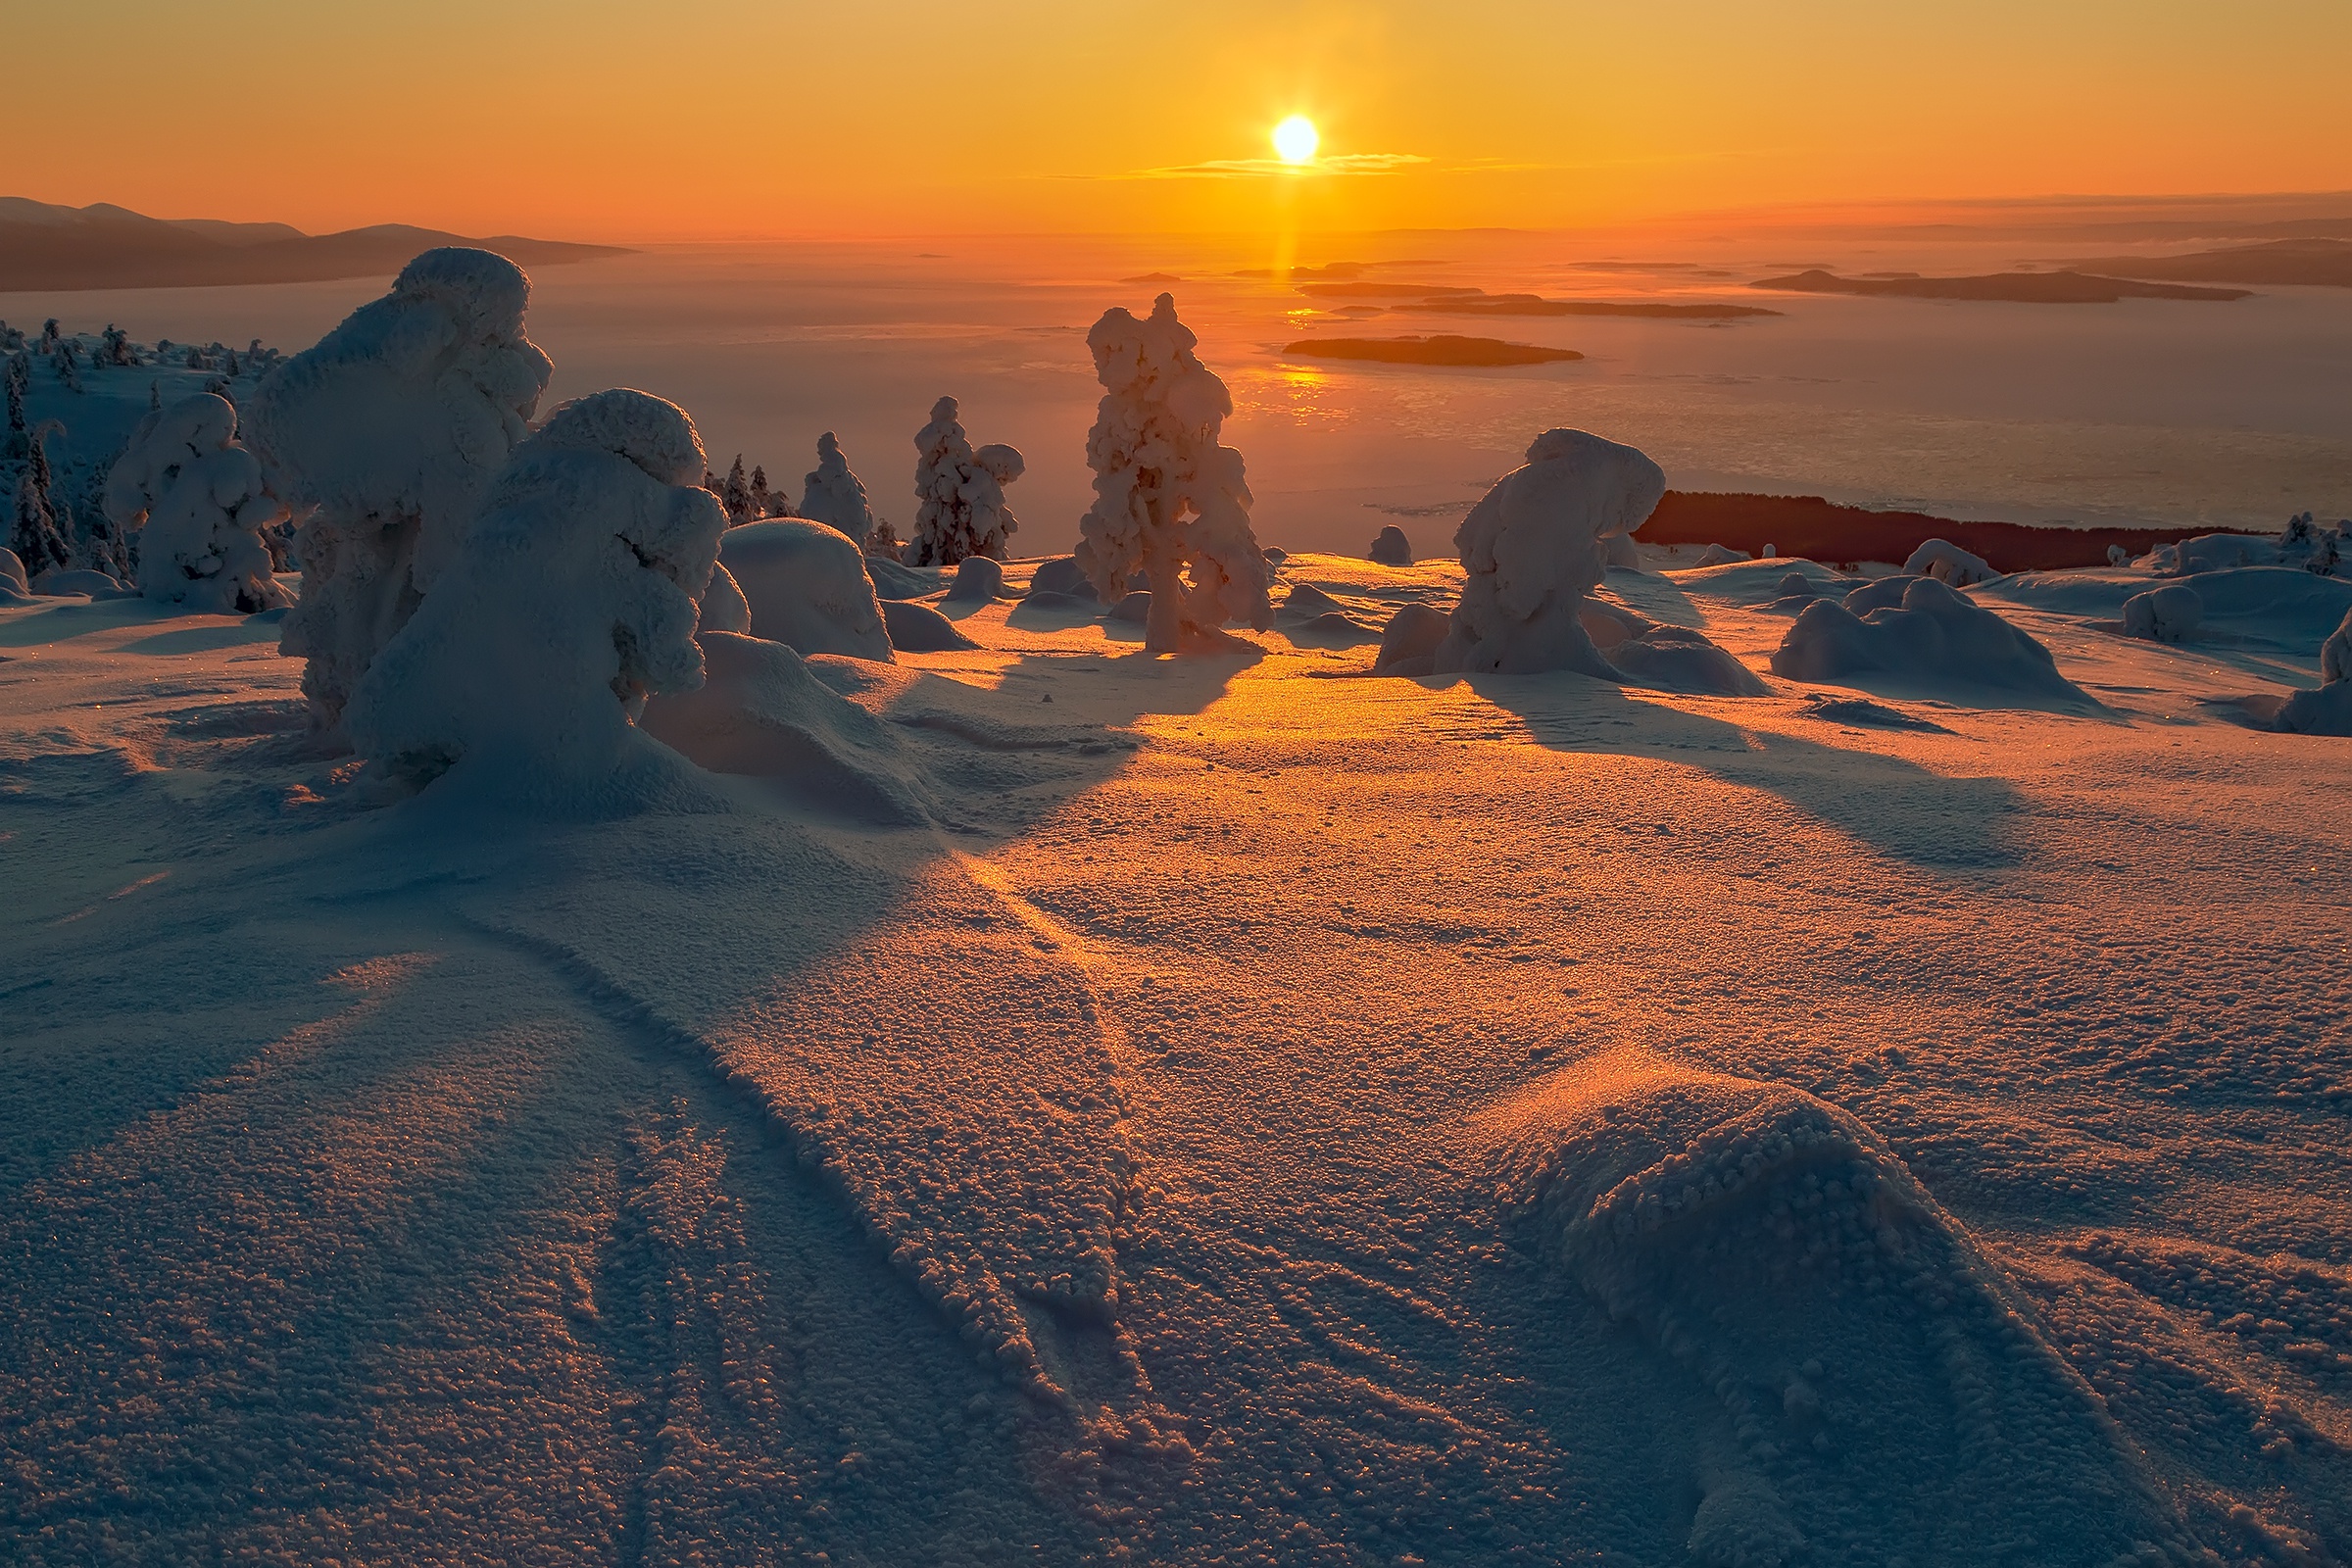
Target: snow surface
{"x": 808, "y": 587}
{"x": 196, "y": 496}
{"x": 1233, "y": 1111}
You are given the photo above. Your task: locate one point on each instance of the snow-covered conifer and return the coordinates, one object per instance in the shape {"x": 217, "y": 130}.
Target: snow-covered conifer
{"x": 19, "y": 432}
{"x": 198, "y": 498}
{"x": 832, "y": 495}
{"x": 735, "y": 494}
{"x": 390, "y": 426}
{"x": 759, "y": 492}
{"x": 959, "y": 493}
{"x": 572, "y": 597}
{"x": 67, "y": 360}
{"x": 34, "y": 534}
{"x": 49, "y": 334}
{"x": 882, "y": 542}
{"x": 1168, "y": 499}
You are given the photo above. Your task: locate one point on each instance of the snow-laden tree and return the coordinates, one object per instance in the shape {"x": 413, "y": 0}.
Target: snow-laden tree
{"x": 34, "y": 533}
{"x": 390, "y": 427}
{"x": 197, "y": 495}
{"x": 1534, "y": 549}
{"x": 959, "y": 493}
{"x": 831, "y": 494}
{"x": 1169, "y": 501}
{"x": 572, "y": 597}
{"x": 735, "y": 494}
{"x": 759, "y": 495}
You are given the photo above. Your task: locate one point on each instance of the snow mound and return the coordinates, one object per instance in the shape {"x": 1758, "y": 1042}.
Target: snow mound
{"x": 2213, "y": 552}
{"x": 919, "y": 629}
{"x": 1307, "y": 600}
{"x": 762, "y": 712}
{"x": 2167, "y": 615}
{"x": 978, "y": 579}
{"x": 199, "y": 498}
{"x": 959, "y": 493}
{"x": 1408, "y": 644}
{"x": 1391, "y": 548}
{"x": 1169, "y": 500}
{"x": 1534, "y": 549}
{"x": 892, "y": 580}
{"x": 1063, "y": 574}
{"x": 571, "y": 600}
{"x": 1948, "y": 564}
{"x": 391, "y": 426}
{"x": 1934, "y": 637}
{"x": 1720, "y": 556}
{"x": 1867, "y": 1375}
{"x": 1680, "y": 660}
{"x": 59, "y": 582}
{"x": 832, "y": 495}
{"x": 11, "y": 574}
{"x": 724, "y": 609}
{"x": 2329, "y": 709}
{"x": 808, "y": 587}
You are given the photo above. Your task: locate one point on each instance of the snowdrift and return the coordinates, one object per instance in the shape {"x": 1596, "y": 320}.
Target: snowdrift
{"x": 1929, "y": 636}
{"x": 808, "y": 587}
{"x": 1869, "y": 1379}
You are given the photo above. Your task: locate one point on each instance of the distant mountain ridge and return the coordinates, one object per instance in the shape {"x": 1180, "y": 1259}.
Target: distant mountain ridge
{"x": 104, "y": 246}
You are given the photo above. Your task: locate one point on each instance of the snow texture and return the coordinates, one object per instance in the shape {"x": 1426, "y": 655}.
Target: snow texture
{"x": 571, "y": 600}
{"x": 831, "y": 494}
{"x": 61, "y": 581}
{"x": 1408, "y": 644}
{"x": 1932, "y": 637}
{"x": 808, "y": 587}
{"x": 959, "y": 493}
{"x": 2171, "y": 613}
{"x": 1391, "y": 548}
{"x": 892, "y": 580}
{"x": 12, "y": 571}
{"x": 2329, "y": 709}
{"x": 197, "y": 495}
{"x": 391, "y": 427}
{"x": 1534, "y": 549}
{"x": 919, "y": 629}
{"x": 724, "y": 609}
{"x": 1169, "y": 500}
{"x": 1947, "y": 564}
{"x": 979, "y": 579}
{"x": 1061, "y": 575}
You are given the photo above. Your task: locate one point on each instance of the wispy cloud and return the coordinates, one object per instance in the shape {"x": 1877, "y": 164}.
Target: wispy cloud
{"x": 1267, "y": 167}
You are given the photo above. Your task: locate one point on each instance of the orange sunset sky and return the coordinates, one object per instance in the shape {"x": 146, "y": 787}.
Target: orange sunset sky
{"x": 685, "y": 118}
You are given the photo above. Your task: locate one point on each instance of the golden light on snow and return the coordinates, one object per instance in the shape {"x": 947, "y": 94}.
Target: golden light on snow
{"x": 1296, "y": 140}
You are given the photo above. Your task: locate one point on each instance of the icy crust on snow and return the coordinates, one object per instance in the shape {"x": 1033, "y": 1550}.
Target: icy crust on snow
{"x": 1170, "y": 502}
{"x": 808, "y": 587}
{"x": 1878, "y": 1391}
{"x": 1916, "y": 631}
{"x": 391, "y": 426}
{"x": 571, "y": 600}
{"x": 198, "y": 497}
{"x": 1534, "y": 549}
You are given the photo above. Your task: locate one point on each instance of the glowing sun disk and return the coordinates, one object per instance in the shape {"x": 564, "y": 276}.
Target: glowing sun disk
{"x": 1296, "y": 139}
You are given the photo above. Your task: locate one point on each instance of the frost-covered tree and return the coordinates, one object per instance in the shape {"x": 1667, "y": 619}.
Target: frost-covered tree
{"x": 959, "y": 493}
{"x": 1169, "y": 500}
{"x": 198, "y": 498}
{"x": 114, "y": 347}
{"x": 390, "y": 427}
{"x": 34, "y": 534}
{"x": 758, "y": 491}
{"x": 832, "y": 495}
{"x": 49, "y": 334}
{"x": 572, "y": 597}
{"x": 735, "y": 494}
{"x": 67, "y": 360}
{"x": 882, "y": 542}
{"x": 19, "y": 432}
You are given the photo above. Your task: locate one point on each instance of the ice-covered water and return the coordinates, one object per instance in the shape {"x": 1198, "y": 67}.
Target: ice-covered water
{"x": 2145, "y": 411}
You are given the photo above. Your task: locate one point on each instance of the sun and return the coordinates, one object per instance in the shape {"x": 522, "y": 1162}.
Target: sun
{"x": 1296, "y": 139}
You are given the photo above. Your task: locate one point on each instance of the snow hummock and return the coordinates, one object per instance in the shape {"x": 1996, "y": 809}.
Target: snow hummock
{"x": 197, "y": 495}
{"x": 724, "y": 609}
{"x": 391, "y": 427}
{"x": 831, "y": 494}
{"x": 1535, "y": 547}
{"x": 808, "y": 587}
{"x": 1391, "y": 548}
{"x": 1929, "y": 636}
{"x": 959, "y": 493}
{"x": 1947, "y": 564}
{"x": 2329, "y": 709}
{"x": 1408, "y": 644}
{"x": 571, "y": 600}
{"x": 1169, "y": 500}
{"x": 2170, "y": 613}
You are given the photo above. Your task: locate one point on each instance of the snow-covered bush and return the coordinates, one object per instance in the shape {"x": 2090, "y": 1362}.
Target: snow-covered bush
{"x": 198, "y": 498}
{"x": 2167, "y": 615}
{"x": 2329, "y": 709}
{"x": 1934, "y": 637}
{"x": 1947, "y": 564}
{"x": 1391, "y": 548}
{"x": 2321, "y": 551}
{"x": 959, "y": 492}
{"x": 832, "y": 495}
{"x": 1534, "y": 549}
{"x": 572, "y": 597}
{"x": 2213, "y": 552}
{"x": 391, "y": 426}
{"x": 1169, "y": 501}
{"x": 807, "y": 588}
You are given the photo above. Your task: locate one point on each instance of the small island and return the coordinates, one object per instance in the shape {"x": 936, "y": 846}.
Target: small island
{"x": 2017, "y": 288}
{"x": 1442, "y": 349}
{"x": 2306, "y": 263}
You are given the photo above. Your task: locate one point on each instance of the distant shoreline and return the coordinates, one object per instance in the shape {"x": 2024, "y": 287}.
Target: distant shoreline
{"x": 1824, "y": 531}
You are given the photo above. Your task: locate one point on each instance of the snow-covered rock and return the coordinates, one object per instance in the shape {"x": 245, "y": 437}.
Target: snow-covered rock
{"x": 391, "y": 427}
{"x": 978, "y": 579}
{"x": 2171, "y": 613}
{"x": 197, "y": 495}
{"x": 1948, "y": 564}
{"x": 1169, "y": 500}
{"x": 1391, "y": 548}
{"x": 959, "y": 493}
{"x": 1679, "y": 659}
{"x": 831, "y": 494}
{"x": 1063, "y": 574}
{"x": 919, "y": 629}
{"x": 570, "y": 600}
{"x": 1534, "y": 549}
{"x": 1933, "y": 636}
{"x": 808, "y": 587}
{"x": 1408, "y": 644}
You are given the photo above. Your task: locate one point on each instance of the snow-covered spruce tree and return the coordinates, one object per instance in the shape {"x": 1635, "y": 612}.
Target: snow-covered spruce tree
{"x": 19, "y": 432}
{"x": 959, "y": 493}
{"x": 882, "y": 542}
{"x": 390, "y": 427}
{"x": 832, "y": 495}
{"x": 572, "y": 597}
{"x": 33, "y": 532}
{"x": 758, "y": 491}
{"x": 735, "y": 494}
{"x": 198, "y": 498}
{"x": 1169, "y": 500}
